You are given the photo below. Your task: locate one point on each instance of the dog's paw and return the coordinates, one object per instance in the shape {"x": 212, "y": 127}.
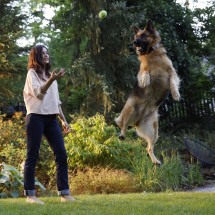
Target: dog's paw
{"x": 157, "y": 162}
{"x": 176, "y": 95}
{"x": 143, "y": 79}
{"x": 121, "y": 137}
{"x": 118, "y": 122}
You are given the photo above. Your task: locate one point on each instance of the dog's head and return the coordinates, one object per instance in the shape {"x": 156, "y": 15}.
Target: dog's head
{"x": 145, "y": 40}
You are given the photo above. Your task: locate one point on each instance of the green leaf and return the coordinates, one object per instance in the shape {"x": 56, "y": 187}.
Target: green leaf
{"x": 15, "y": 194}
{"x": 3, "y": 179}
{"x": 5, "y": 173}
{"x": 21, "y": 182}
{"x": 10, "y": 168}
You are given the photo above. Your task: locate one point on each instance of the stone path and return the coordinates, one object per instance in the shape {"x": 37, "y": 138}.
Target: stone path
{"x": 207, "y": 188}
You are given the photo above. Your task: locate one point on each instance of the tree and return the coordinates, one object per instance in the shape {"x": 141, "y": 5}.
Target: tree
{"x": 205, "y": 19}
{"x": 12, "y": 24}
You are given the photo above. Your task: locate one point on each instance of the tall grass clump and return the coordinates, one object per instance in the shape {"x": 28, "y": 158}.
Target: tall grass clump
{"x": 172, "y": 174}
{"x": 193, "y": 173}
{"x": 107, "y": 180}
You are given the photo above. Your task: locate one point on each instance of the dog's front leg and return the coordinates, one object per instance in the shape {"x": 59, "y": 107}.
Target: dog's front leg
{"x": 123, "y": 120}
{"x": 119, "y": 121}
{"x": 143, "y": 78}
{"x": 174, "y": 83}
{"x": 174, "y": 86}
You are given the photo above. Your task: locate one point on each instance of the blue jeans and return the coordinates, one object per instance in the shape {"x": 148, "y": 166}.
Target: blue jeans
{"x": 47, "y": 125}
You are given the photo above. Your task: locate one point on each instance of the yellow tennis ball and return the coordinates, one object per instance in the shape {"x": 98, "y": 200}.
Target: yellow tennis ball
{"x": 102, "y": 14}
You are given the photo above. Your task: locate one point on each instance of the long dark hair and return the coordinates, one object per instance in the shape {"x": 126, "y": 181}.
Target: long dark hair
{"x": 35, "y": 61}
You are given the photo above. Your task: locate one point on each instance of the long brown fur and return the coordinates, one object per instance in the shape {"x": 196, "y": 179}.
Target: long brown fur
{"x": 156, "y": 78}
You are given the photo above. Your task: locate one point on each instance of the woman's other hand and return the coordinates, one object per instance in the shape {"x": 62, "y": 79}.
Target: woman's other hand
{"x": 66, "y": 128}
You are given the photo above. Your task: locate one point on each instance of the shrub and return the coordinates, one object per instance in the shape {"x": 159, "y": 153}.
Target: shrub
{"x": 93, "y": 143}
{"x": 11, "y": 180}
{"x": 12, "y": 140}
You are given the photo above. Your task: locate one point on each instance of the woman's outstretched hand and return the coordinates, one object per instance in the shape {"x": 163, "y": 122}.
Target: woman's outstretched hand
{"x": 55, "y": 75}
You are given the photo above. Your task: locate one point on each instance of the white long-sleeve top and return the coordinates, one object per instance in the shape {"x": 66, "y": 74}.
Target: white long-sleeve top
{"x": 35, "y": 101}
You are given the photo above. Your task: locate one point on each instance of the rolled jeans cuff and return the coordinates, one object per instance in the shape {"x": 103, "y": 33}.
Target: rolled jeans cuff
{"x": 29, "y": 192}
{"x": 63, "y": 192}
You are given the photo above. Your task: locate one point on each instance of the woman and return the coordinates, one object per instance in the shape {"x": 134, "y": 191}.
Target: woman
{"x": 43, "y": 106}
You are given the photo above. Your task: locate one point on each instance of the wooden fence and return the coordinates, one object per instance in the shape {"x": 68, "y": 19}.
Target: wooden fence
{"x": 189, "y": 108}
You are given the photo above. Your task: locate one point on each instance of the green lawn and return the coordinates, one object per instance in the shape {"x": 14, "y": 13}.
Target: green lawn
{"x": 119, "y": 204}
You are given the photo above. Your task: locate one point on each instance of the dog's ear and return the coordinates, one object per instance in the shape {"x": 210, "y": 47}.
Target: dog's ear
{"x": 150, "y": 26}
{"x": 136, "y": 29}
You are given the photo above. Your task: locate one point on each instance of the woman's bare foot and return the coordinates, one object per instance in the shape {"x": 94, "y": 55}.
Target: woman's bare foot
{"x": 34, "y": 199}
{"x": 67, "y": 198}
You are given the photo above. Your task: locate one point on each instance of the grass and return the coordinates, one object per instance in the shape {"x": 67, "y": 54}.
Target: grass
{"x": 186, "y": 203}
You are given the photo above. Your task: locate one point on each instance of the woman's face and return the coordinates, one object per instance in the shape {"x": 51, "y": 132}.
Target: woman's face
{"x": 45, "y": 55}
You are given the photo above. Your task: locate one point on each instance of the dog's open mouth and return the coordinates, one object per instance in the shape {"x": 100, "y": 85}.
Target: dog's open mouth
{"x": 139, "y": 50}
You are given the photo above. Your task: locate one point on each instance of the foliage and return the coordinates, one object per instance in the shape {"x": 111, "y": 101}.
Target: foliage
{"x": 86, "y": 85}
{"x": 205, "y": 19}
{"x": 12, "y": 181}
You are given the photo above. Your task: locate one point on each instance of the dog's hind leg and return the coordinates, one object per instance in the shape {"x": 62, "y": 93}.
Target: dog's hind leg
{"x": 148, "y": 130}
